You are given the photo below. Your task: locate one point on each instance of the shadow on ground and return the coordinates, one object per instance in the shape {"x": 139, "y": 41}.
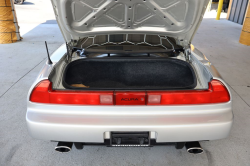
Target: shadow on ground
{"x": 26, "y": 3}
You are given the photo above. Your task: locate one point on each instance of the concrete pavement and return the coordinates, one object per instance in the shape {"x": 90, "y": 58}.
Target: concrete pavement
{"x": 20, "y": 63}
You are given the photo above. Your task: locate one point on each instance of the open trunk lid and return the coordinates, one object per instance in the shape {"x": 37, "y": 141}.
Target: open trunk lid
{"x": 173, "y": 18}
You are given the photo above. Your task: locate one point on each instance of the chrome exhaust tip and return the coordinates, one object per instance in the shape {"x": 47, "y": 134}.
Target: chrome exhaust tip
{"x": 64, "y": 147}
{"x": 194, "y": 147}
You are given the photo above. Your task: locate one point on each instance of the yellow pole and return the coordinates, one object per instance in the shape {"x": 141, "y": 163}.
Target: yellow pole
{"x": 245, "y": 32}
{"x": 9, "y": 30}
{"x": 219, "y": 9}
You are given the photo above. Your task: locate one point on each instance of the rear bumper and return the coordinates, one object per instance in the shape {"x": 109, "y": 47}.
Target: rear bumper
{"x": 92, "y": 123}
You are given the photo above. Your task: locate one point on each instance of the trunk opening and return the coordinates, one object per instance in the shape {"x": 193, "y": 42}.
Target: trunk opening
{"x": 123, "y": 73}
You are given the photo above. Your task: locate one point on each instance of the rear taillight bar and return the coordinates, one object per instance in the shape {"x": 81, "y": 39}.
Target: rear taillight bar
{"x": 217, "y": 93}
{"x": 43, "y": 93}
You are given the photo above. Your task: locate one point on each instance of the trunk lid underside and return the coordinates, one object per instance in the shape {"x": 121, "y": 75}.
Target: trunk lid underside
{"x": 173, "y": 18}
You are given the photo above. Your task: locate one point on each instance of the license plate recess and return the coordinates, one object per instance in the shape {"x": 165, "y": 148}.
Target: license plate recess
{"x": 121, "y": 139}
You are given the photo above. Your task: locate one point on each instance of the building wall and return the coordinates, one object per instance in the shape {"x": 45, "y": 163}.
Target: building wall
{"x": 238, "y": 11}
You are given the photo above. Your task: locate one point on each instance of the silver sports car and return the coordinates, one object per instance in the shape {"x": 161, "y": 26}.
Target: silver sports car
{"x": 129, "y": 76}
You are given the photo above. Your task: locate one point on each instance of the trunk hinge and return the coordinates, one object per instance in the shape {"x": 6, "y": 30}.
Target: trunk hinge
{"x": 187, "y": 52}
{"x": 69, "y": 51}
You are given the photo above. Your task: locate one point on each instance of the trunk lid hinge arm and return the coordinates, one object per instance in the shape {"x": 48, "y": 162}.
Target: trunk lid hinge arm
{"x": 187, "y": 52}
{"x": 69, "y": 51}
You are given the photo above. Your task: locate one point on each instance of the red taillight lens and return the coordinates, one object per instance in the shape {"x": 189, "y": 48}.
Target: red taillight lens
{"x": 81, "y": 98}
{"x": 40, "y": 93}
{"x": 220, "y": 93}
{"x": 217, "y": 93}
{"x": 43, "y": 93}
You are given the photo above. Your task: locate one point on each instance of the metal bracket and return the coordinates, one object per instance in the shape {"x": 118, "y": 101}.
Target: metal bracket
{"x": 126, "y": 41}
{"x": 81, "y": 53}
{"x": 187, "y": 52}
{"x": 69, "y": 52}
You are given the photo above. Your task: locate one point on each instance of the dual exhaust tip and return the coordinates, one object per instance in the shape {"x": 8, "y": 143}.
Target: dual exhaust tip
{"x": 64, "y": 147}
{"x": 191, "y": 147}
{"x": 194, "y": 147}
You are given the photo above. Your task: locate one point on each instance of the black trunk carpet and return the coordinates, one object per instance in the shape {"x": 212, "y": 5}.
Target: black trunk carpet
{"x": 130, "y": 73}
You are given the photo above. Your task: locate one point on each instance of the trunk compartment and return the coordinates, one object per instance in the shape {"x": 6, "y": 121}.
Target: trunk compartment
{"x": 123, "y": 73}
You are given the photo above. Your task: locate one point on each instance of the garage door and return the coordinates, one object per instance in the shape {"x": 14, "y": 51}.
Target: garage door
{"x": 238, "y": 11}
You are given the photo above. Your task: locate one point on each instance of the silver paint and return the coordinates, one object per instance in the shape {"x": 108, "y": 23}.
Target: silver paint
{"x": 75, "y": 123}
{"x": 174, "y": 18}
